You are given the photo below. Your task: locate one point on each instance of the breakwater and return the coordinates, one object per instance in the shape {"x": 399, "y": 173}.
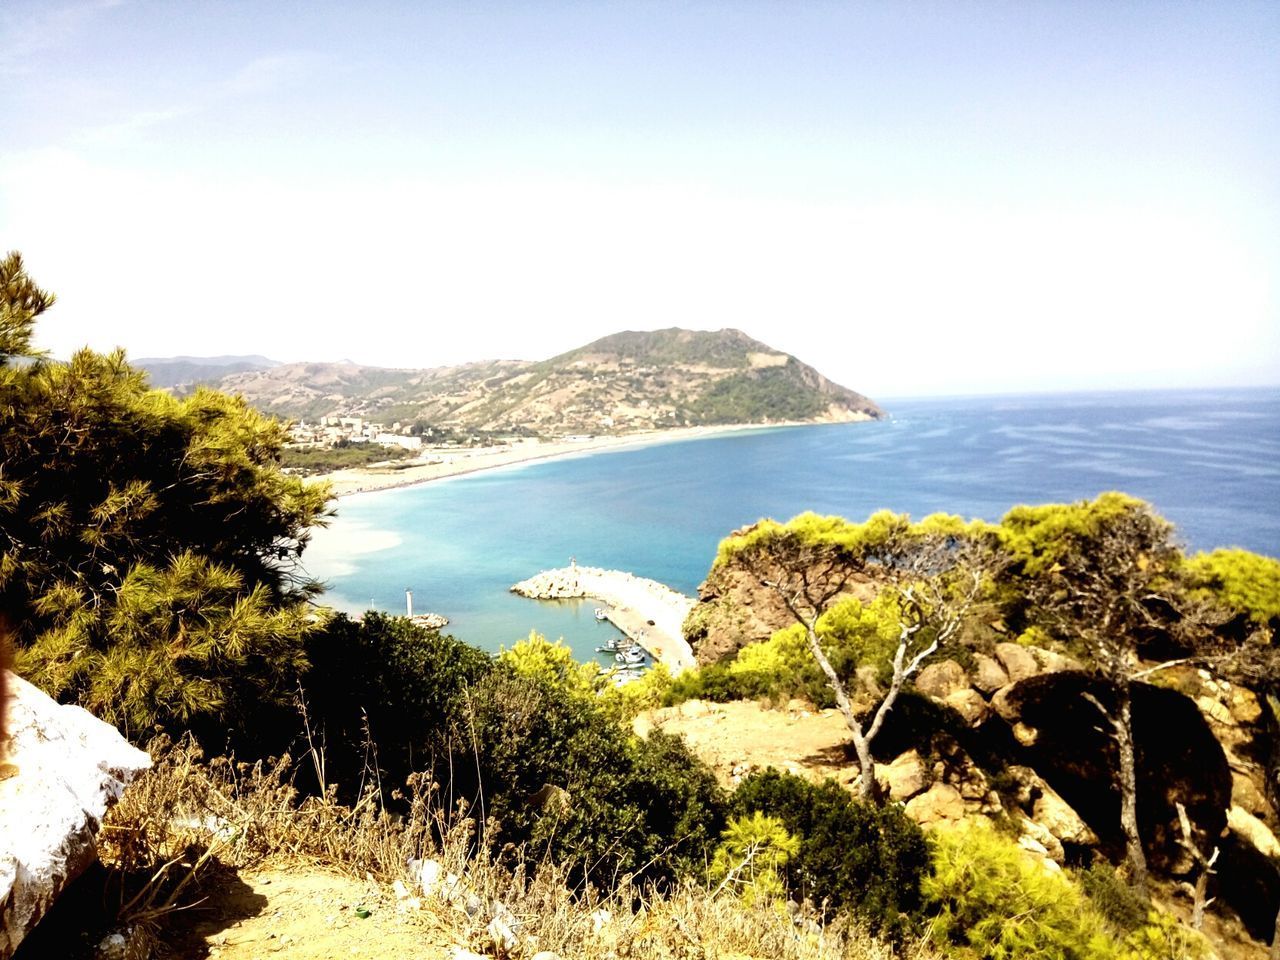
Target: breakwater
{"x": 648, "y": 612}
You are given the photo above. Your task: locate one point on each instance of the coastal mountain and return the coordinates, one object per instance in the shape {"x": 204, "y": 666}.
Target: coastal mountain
{"x": 170, "y": 372}
{"x": 627, "y": 381}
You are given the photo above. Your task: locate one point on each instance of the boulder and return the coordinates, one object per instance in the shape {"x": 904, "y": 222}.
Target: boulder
{"x": 1043, "y": 838}
{"x": 1050, "y": 662}
{"x": 938, "y": 805}
{"x": 1253, "y": 830}
{"x": 1055, "y": 815}
{"x": 1246, "y": 794}
{"x": 1244, "y": 706}
{"x": 70, "y": 768}
{"x": 940, "y": 680}
{"x": 1215, "y": 710}
{"x": 1005, "y": 704}
{"x": 1017, "y": 661}
{"x": 970, "y": 705}
{"x": 989, "y": 676}
{"x": 905, "y": 777}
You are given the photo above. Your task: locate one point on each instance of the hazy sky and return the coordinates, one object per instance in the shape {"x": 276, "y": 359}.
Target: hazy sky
{"x": 914, "y": 197}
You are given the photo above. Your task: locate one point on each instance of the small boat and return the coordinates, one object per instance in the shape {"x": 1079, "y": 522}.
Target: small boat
{"x": 632, "y": 656}
{"x": 601, "y": 614}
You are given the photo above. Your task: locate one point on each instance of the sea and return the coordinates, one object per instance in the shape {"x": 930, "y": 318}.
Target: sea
{"x": 1208, "y": 460}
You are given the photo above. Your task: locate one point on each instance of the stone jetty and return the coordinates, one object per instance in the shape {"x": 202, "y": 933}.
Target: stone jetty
{"x": 648, "y": 612}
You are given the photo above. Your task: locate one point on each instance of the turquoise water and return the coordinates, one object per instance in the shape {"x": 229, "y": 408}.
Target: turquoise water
{"x": 1208, "y": 460}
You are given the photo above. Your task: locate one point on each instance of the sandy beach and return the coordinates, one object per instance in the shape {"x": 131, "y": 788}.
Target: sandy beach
{"x": 457, "y": 462}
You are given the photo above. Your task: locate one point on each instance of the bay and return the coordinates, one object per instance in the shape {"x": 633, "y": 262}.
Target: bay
{"x": 1208, "y": 460}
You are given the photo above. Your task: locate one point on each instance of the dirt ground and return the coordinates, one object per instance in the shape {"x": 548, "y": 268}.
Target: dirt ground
{"x": 303, "y": 915}
{"x": 734, "y": 738}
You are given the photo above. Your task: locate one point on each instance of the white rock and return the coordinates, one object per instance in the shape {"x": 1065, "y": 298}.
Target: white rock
{"x": 71, "y": 768}
{"x": 502, "y": 935}
{"x": 1246, "y": 825}
{"x": 600, "y": 919}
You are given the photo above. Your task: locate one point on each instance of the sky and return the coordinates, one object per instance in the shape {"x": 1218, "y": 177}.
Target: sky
{"x": 916, "y": 198}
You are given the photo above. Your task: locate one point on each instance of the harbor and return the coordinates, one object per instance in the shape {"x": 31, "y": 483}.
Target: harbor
{"x": 649, "y": 614}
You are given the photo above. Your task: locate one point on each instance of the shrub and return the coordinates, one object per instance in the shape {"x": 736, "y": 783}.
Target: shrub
{"x": 1163, "y": 938}
{"x": 852, "y": 856}
{"x": 752, "y": 851}
{"x": 991, "y": 898}
{"x": 552, "y": 767}
{"x": 852, "y": 634}
{"x": 383, "y": 681}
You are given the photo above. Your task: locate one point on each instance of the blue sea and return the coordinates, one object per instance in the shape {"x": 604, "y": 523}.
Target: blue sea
{"x": 1208, "y": 460}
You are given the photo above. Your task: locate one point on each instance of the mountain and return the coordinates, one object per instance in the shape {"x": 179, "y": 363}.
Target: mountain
{"x": 626, "y": 381}
{"x": 167, "y": 372}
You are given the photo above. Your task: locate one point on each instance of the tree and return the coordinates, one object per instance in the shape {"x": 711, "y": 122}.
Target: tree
{"x": 936, "y": 566}
{"x": 149, "y": 546}
{"x": 1104, "y": 576}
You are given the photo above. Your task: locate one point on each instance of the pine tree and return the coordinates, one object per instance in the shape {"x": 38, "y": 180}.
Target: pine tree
{"x": 149, "y": 546}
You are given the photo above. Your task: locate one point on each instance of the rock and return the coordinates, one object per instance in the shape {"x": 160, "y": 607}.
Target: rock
{"x": 1043, "y": 838}
{"x": 1004, "y": 704}
{"x": 1248, "y": 827}
{"x": 970, "y": 705}
{"x": 1028, "y": 783}
{"x": 940, "y": 680}
{"x": 905, "y": 777}
{"x": 1246, "y": 795}
{"x": 70, "y": 768}
{"x": 1056, "y": 815}
{"x": 1244, "y": 706}
{"x": 939, "y": 804}
{"x": 1025, "y": 735}
{"x": 1050, "y": 662}
{"x": 601, "y": 920}
{"x": 1215, "y": 710}
{"x": 119, "y": 945}
{"x": 869, "y": 682}
{"x": 989, "y": 675}
{"x": 503, "y": 934}
{"x": 1017, "y": 661}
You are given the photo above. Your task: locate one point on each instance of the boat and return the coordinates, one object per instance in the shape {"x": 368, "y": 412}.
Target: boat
{"x": 632, "y": 656}
{"x": 601, "y": 614}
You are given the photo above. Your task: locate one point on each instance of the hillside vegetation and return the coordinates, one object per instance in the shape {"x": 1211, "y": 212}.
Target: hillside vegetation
{"x": 1033, "y": 707}
{"x": 627, "y": 381}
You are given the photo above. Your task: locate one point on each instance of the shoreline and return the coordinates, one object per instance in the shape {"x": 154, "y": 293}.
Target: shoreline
{"x": 648, "y": 612}
{"x": 357, "y": 480}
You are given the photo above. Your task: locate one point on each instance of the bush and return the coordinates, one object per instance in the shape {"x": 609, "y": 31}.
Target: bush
{"x": 852, "y": 634}
{"x": 853, "y": 856}
{"x": 548, "y": 761}
{"x": 383, "y": 681}
{"x": 991, "y": 898}
{"x": 753, "y": 849}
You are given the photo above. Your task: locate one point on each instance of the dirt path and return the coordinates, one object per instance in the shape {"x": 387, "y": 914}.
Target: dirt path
{"x": 303, "y": 914}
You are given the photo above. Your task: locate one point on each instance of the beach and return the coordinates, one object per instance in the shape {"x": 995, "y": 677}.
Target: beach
{"x": 464, "y": 460}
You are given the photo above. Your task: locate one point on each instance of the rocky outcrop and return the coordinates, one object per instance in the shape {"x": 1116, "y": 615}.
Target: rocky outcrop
{"x": 70, "y": 767}
{"x": 735, "y": 609}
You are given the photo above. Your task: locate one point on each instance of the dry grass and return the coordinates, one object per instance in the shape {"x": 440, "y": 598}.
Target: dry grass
{"x": 187, "y": 814}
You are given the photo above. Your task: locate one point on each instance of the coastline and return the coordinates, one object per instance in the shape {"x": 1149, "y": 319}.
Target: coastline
{"x": 345, "y": 483}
